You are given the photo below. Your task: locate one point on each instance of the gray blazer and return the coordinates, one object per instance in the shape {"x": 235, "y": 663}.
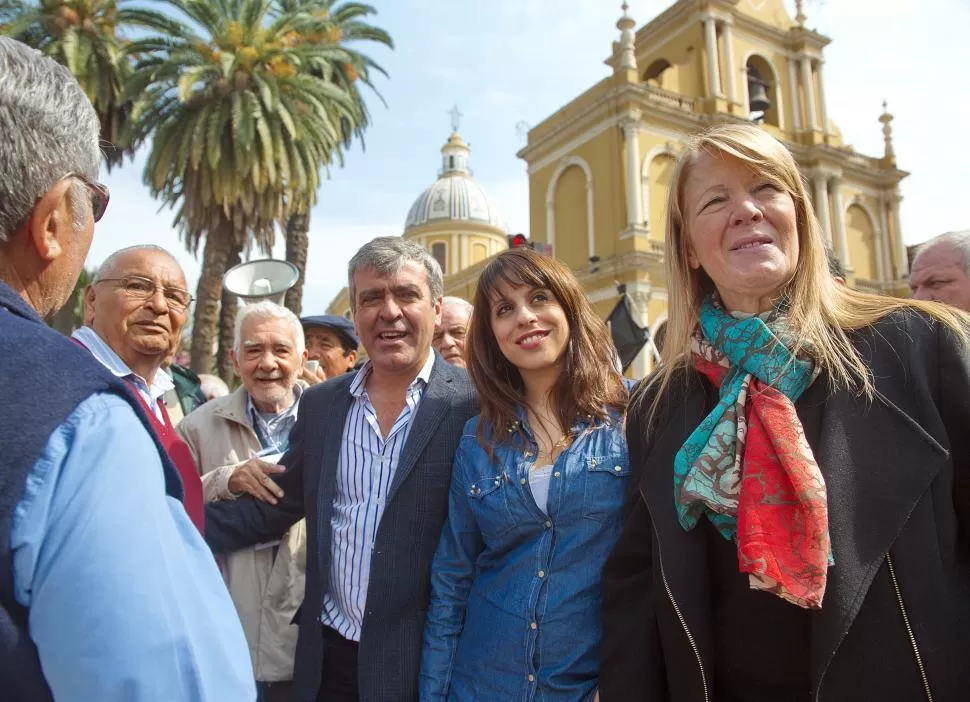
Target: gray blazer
{"x": 417, "y": 502}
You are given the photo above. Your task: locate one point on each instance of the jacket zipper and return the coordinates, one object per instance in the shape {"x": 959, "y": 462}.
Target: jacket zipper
{"x": 680, "y": 616}
{"x": 909, "y": 629}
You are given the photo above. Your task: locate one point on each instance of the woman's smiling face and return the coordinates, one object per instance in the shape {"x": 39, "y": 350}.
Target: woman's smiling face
{"x": 741, "y": 231}
{"x": 530, "y": 326}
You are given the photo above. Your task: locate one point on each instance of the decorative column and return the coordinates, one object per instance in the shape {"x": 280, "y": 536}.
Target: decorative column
{"x": 634, "y": 189}
{"x": 902, "y": 262}
{"x": 639, "y": 301}
{"x": 823, "y": 111}
{"x": 838, "y": 219}
{"x": 811, "y": 117}
{"x": 879, "y": 238}
{"x": 820, "y": 184}
{"x": 884, "y": 231}
{"x": 796, "y": 104}
{"x": 710, "y": 40}
{"x": 551, "y": 221}
{"x": 728, "y": 36}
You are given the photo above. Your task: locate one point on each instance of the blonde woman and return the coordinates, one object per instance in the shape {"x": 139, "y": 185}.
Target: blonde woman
{"x": 801, "y": 524}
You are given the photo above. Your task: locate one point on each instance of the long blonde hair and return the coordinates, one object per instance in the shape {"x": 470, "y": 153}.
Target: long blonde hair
{"x": 820, "y": 310}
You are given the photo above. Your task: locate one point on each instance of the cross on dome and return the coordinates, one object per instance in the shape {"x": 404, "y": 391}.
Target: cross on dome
{"x": 456, "y": 116}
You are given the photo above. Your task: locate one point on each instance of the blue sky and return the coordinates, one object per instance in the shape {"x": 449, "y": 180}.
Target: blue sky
{"x": 505, "y": 62}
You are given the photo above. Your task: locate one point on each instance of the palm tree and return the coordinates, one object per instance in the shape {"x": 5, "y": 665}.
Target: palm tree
{"x": 88, "y": 37}
{"x": 342, "y": 25}
{"x": 241, "y": 121}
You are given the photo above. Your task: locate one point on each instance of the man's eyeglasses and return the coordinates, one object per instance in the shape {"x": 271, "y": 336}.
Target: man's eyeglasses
{"x": 139, "y": 288}
{"x": 99, "y": 194}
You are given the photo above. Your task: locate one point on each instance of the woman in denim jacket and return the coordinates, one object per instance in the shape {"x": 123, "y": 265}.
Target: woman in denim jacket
{"x": 536, "y": 495}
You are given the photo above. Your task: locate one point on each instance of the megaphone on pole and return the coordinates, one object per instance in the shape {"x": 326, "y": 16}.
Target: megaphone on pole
{"x": 264, "y": 279}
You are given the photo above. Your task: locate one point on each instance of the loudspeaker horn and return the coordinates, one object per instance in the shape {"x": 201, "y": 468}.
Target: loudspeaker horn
{"x": 264, "y": 279}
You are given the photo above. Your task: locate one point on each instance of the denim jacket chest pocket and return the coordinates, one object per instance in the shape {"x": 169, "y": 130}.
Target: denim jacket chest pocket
{"x": 489, "y": 501}
{"x": 607, "y": 479}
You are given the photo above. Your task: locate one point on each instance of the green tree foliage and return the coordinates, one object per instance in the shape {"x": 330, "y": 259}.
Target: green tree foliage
{"x": 242, "y": 112}
{"x": 89, "y": 38}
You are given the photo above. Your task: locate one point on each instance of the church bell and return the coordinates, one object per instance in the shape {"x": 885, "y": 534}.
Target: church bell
{"x": 757, "y": 92}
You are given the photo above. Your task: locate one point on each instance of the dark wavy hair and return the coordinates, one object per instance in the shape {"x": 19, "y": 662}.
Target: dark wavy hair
{"x": 590, "y": 386}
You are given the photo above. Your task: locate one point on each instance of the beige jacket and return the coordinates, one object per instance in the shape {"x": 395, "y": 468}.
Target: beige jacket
{"x": 266, "y": 592}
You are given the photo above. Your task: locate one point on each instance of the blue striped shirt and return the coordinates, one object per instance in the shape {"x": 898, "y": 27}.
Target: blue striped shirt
{"x": 365, "y": 469}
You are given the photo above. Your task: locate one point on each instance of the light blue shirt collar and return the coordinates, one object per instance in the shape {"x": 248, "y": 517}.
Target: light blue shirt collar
{"x": 275, "y": 431}
{"x": 112, "y": 361}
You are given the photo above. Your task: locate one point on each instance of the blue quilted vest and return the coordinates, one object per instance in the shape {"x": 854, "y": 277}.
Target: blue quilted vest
{"x": 43, "y": 378}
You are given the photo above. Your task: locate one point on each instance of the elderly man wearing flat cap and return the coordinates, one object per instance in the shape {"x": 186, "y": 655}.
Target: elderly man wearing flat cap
{"x": 332, "y": 342}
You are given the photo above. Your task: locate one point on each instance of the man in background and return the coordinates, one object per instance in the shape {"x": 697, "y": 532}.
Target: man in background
{"x": 941, "y": 270}
{"x": 225, "y": 436}
{"x": 449, "y": 335}
{"x": 107, "y": 591}
{"x": 332, "y": 343}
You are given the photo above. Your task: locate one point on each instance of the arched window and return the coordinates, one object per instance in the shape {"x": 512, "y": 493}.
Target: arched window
{"x": 660, "y": 74}
{"x": 860, "y": 234}
{"x": 439, "y": 250}
{"x": 762, "y": 92}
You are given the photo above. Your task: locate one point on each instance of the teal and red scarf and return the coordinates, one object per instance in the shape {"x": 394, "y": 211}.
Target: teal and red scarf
{"x": 748, "y": 466}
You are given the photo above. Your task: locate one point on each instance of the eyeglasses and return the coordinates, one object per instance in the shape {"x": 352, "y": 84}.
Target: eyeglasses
{"x": 99, "y": 194}
{"x": 139, "y": 288}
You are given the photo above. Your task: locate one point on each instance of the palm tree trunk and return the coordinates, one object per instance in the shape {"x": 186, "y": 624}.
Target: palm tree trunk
{"x": 215, "y": 257}
{"x": 297, "y": 245}
{"x": 227, "y": 323}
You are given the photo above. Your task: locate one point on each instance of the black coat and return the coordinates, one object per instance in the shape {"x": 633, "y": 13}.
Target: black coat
{"x": 897, "y": 469}
{"x": 407, "y": 536}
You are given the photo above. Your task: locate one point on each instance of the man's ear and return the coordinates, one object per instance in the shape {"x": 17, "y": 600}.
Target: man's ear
{"x": 235, "y": 363}
{"x": 352, "y": 357}
{"x": 51, "y": 221}
{"x": 437, "y": 310}
{"x": 89, "y": 295}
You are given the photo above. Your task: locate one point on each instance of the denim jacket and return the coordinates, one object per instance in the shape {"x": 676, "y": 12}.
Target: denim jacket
{"x": 515, "y": 604}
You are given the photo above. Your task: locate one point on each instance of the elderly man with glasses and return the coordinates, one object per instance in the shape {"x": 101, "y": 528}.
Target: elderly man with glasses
{"x": 107, "y": 590}
{"x": 134, "y": 312}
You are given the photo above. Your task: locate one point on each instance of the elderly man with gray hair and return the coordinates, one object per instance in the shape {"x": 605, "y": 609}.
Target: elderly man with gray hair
{"x": 369, "y": 466}
{"x": 234, "y": 440}
{"x": 941, "y": 270}
{"x": 107, "y": 591}
{"x": 450, "y": 334}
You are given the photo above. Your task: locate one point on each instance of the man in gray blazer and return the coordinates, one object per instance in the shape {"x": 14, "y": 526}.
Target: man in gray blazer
{"x": 369, "y": 466}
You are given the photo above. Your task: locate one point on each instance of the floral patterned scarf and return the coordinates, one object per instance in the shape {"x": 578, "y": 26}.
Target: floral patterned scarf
{"x": 748, "y": 466}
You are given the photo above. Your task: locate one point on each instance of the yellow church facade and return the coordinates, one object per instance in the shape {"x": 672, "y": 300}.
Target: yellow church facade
{"x": 599, "y": 168}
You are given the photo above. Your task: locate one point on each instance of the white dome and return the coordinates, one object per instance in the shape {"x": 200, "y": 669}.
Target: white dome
{"x": 455, "y": 196}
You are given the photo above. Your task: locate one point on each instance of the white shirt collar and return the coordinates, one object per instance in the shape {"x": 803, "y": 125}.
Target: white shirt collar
{"x": 360, "y": 380}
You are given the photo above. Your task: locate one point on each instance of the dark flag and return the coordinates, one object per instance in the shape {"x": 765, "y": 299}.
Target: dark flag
{"x": 628, "y": 336}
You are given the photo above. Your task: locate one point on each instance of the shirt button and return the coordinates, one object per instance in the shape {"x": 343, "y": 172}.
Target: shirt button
{"x": 548, "y": 524}
{"x": 556, "y": 474}
{"x": 532, "y": 678}
{"x": 522, "y": 481}
{"x": 618, "y": 469}
{"x": 533, "y": 626}
{"x": 541, "y": 573}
